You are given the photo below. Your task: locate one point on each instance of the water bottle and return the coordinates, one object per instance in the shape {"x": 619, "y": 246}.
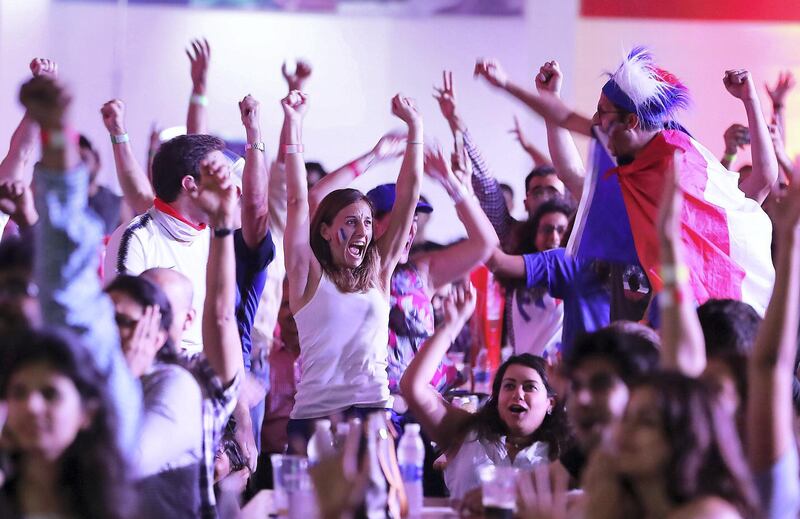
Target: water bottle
{"x": 320, "y": 445}
{"x": 411, "y": 458}
{"x": 481, "y": 374}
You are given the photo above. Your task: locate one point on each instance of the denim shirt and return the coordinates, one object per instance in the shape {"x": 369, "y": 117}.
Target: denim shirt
{"x": 67, "y": 245}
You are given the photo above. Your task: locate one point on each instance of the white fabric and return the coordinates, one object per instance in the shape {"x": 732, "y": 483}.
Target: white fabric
{"x": 172, "y": 428}
{"x": 749, "y": 230}
{"x": 155, "y": 239}
{"x": 343, "y": 351}
{"x": 461, "y": 472}
{"x": 537, "y": 319}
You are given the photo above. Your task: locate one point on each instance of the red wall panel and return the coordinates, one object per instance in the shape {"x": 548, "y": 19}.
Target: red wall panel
{"x": 761, "y": 10}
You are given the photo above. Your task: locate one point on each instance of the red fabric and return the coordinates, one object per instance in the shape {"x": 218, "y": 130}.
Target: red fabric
{"x": 692, "y": 9}
{"x": 169, "y": 210}
{"x": 704, "y": 229}
{"x": 488, "y": 316}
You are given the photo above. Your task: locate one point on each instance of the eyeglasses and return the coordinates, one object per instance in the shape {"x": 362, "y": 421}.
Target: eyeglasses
{"x": 602, "y": 112}
{"x": 15, "y": 288}
{"x": 550, "y": 229}
{"x": 543, "y": 191}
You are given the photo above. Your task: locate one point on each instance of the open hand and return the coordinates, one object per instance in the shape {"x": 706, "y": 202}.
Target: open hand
{"x": 491, "y": 71}
{"x": 297, "y": 79}
{"x": 113, "y": 113}
{"x": 405, "y": 109}
{"x": 44, "y": 67}
{"x": 147, "y": 339}
{"x": 459, "y": 305}
{"x": 199, "y": 58}
{"x": 390, "y": 146}
{"x": 446, "y": 97}
{"x": 217, "y": 194}
{"x": 16, "y": 200}
{"x": 295, "y": 105}
{"x": 783, "y": 86}
{"x": 549, "y": 78}
{"x": 740, "y": 84}
{"x": 542, "y": 495}
{"x": 46, "y": 100}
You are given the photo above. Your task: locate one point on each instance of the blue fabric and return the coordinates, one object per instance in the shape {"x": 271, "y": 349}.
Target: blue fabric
{"x": 251, "y": 275}
{"x": 587, "y": 301}
{"x": 68, "y": 238}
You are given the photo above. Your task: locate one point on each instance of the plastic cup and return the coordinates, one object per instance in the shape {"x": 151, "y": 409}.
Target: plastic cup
{"x": 499, "y": 488}
{"x": 291, "y": 481}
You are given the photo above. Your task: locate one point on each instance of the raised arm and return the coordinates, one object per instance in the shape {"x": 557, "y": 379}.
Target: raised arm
{"x": 566, "y": 159}
{"x": 393, "y": 241}
{"x": 777, "y": 94}
{"x": 539, "y": 157}
{"x": 780, "y": 152}
{"x": 455, "y": 262}
{"x": 506, "y": 265}
{"x": 217, "y": 197}
{"x": 136, "y": 188}
{"x": 67, "y": 239}
{"x": 255, "y": 181}
{"x": 199, "y": 59}
{"x": 390, "y": 146}
{"x": 302, "y": 268}
{"x": 765, "y": 167}
{"x": 735, "y": 137}
{"x": 438, "y": 418}
{"x": 295, "y": 80}
{"x": 16, "y": 165}
{"x": 771, "y": 368}
{"x": 683, "y": 346}
{"x": 550, "y": 108}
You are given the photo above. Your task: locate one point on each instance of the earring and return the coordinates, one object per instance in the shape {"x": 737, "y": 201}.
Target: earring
{"x": 549, "y": 411}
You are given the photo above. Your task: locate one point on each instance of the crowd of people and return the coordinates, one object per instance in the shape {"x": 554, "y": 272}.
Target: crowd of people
{"x": 162, "y": 344}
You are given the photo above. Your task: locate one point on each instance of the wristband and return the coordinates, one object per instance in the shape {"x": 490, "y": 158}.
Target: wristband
{"x": 672, "y": 275}
{"x": 415, "y": 143}
{"x": 59, "y": 138}
{"x": 730, "y": 157}
{"x": 260, "y": 146}
{"x": 119, "y": 139}
{"x": 221, "y": 232}
{"x": 199, "y": 99}
{"x": 292, "y": 148}
{"x": 354, "y": 167}
{"x": 669, "y": 298}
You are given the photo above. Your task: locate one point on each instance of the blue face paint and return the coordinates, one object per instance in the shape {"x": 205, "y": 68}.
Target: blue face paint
{"x": 342, "y": 235}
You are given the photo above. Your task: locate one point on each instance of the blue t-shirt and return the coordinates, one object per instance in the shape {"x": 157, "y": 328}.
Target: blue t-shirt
{"x": 587, "y": 301}
{"x": 251, "y": 275}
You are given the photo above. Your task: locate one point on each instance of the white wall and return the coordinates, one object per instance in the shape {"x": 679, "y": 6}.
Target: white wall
{"x": 359, "y": 63}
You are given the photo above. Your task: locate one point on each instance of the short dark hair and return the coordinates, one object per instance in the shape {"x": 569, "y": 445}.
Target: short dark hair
{"x": 537, "y": 172}
{"x": 729, "y": 326}
{"x": 507, "y": 189}
{"x": 85, "y": 143}
{"x": 179, "y": 157}
{"x": 315, "y": 166}
{"x": 144, "y": 292}
{"x": 633, "y": 353}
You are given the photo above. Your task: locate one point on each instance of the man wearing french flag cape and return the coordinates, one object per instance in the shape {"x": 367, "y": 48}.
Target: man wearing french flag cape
{"x": 725, "y": 232}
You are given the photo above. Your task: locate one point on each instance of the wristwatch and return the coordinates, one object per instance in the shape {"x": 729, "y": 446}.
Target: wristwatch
{"x": 260, "y": 146}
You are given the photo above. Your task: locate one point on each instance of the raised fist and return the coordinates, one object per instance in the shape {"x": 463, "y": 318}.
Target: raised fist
{"x": 405, "y": 110}
{"x": 740, "y": 84}
{"x": 249, "y": 109}
{"x": 44, "y": 67}
{"x": 295, "y": 105}
{"x": 113, "y": 113}
{"x": 549, "y": 78}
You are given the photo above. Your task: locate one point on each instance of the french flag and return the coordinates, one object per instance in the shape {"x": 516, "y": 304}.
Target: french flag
{"x": 726, "y": 236}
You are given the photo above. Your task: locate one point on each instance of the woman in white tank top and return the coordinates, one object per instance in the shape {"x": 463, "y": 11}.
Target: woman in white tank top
{"x": 339, "y": 277}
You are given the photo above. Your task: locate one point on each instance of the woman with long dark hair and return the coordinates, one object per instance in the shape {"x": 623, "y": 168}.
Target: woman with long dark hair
{"x": 520, "y": 425}
{"x": 61, "y": 437}
{"x": 339, "y": 278}
{"x": 676, "y": 454}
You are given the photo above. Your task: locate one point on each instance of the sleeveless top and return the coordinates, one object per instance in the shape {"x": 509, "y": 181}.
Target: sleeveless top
{"x": 461, "y": 472}
{"x": 343, "y": 338}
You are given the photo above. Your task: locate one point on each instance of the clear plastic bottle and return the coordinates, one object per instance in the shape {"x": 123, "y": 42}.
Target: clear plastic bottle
{"x": 320, "y": 445}
{"x": 411, "y": 458}
{"x": 481, "y": 374}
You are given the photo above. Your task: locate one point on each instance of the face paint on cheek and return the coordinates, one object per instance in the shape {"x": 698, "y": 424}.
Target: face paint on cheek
{"x": 342, "y": 236}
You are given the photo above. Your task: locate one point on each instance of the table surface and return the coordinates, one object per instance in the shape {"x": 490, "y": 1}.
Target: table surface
{"x": 262, "y": 505}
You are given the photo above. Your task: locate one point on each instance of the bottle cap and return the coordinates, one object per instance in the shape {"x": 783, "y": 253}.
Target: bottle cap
{"x": 412, "y": 428}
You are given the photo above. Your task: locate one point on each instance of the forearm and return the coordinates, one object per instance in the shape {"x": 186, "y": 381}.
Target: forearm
{"x": 197, "y": 116}
{"x": 488, "y": 191}
{"x": 16, "y": 164}
{"x": 415, "y": 382}
{"x": 136, "y": 188}
{"x": 480, "y": 233}
{"x": 551, "y": 109}
{"x": 765, "y": 165}
{"x": 296, "y": 183}
{"x": 255, "y": 193}
{"x": 221, "y": 342}
{"x": 506, "y": 265}
{"x": 539, "y": 158}
{"x": 339, "y": 179}
{"x": 566, "y": 159}
{"x": 682, "y": 343}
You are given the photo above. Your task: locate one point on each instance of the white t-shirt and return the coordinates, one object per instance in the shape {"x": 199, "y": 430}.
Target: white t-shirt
{"x": 172, "y": 427}
{"x": 156, "y": 239}
{"x": 344, "y": 341}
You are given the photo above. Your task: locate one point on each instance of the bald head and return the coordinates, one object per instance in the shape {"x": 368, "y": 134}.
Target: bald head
{"x": 179, "y": 291}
